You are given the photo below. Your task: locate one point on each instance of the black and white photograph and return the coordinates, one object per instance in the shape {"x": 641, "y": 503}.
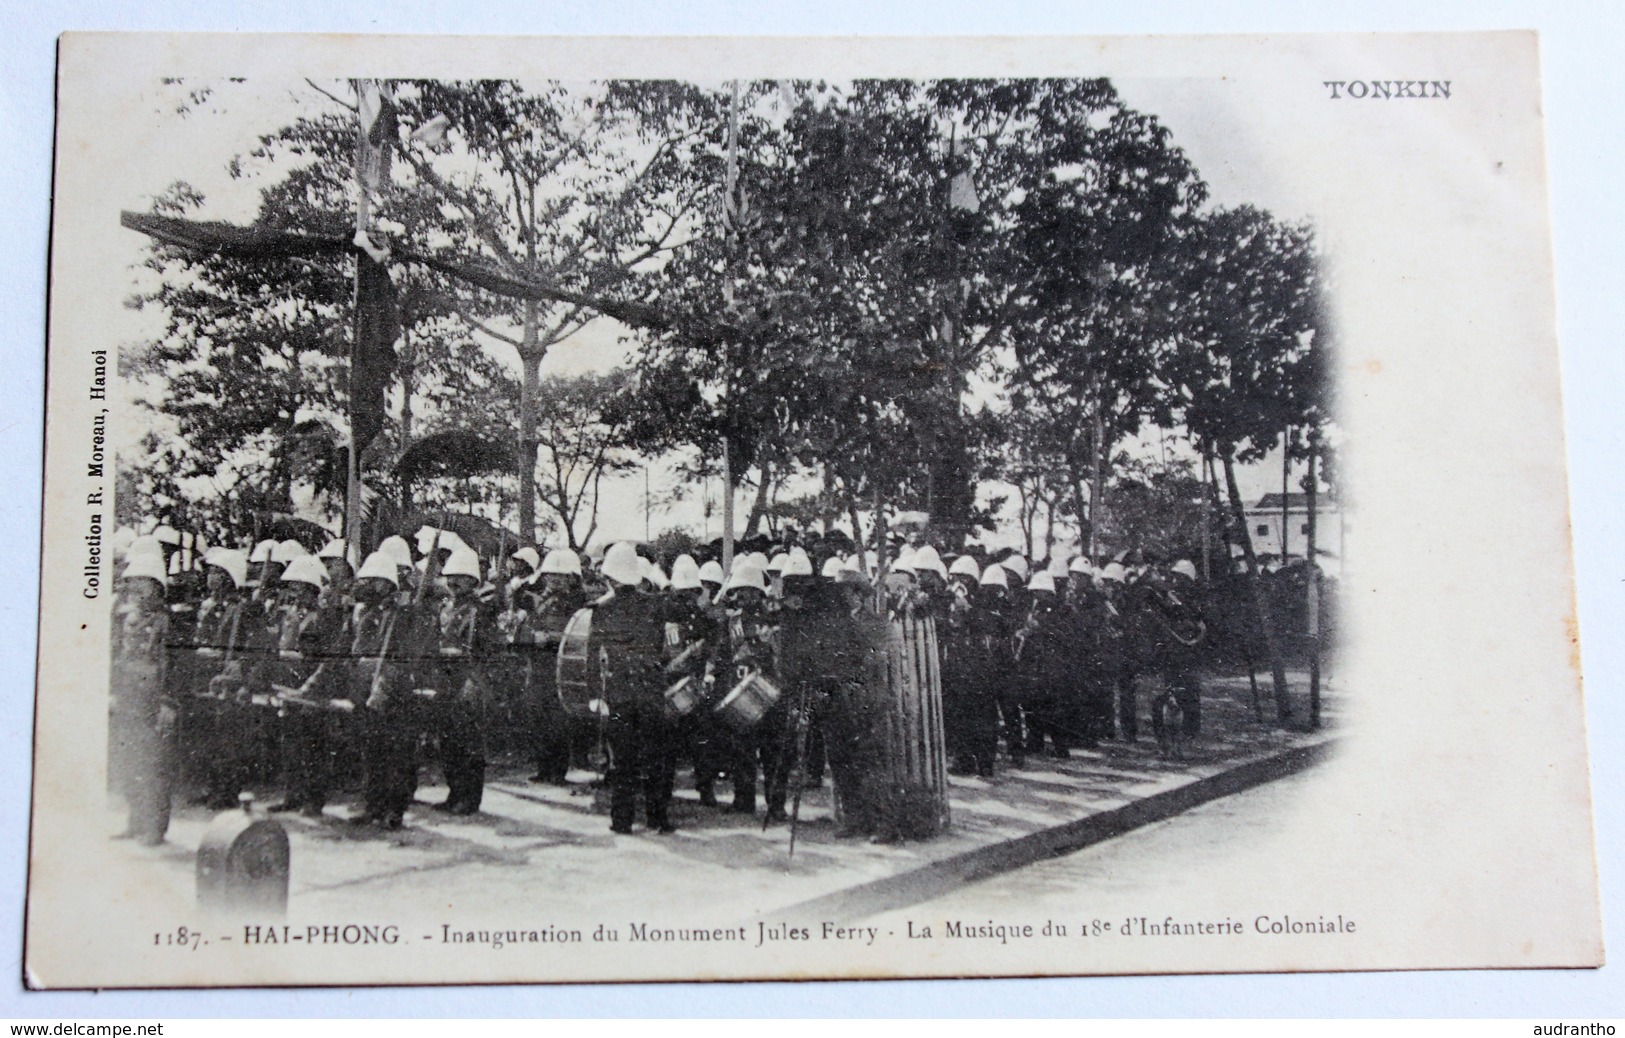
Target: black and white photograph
{"x": 528, "y": 511}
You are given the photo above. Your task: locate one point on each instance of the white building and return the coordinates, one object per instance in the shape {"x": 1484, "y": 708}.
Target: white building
{"x": 1264, "y": 527}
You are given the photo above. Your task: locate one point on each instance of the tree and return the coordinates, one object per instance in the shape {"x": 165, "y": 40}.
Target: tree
{"x": 581, "y": 429}
{"x": 249, "y": 369}
{"x": 1156, "y": 510}
{"x": 579, "y": 189}
{"x": 1250, "y": 313}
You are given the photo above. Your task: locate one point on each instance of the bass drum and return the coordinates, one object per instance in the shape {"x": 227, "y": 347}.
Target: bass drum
{"x": 579, "y": 684}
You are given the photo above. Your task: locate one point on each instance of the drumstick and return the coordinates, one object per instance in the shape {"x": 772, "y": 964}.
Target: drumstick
{"x": 682, "y": 658}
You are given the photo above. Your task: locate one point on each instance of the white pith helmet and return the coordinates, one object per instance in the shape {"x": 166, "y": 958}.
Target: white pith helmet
{"x": 832, "y": 567}
{"x": 531, "y": 558}
{"x": 146, "y": 565}
{"x": 1041, "y": 581}
{"x": 380, "y": 566}
{"x": 994, "y": 576}
{"x": 685, "y": 574}
{"x": 463, "y": 563}
{"x": 306, "y": 569}
{"x": 145, "y": 547}
{"x": 777, "y": 563}
{"x": 654, "y": 574}
{"x": 1114, "y": 571}
{"x": 262, "y": 552}
{"x": 1081, "y": 564}
{"x": 233, "y": 563}
{"x": 711, "y": 573}
{"x": 746, "y": 574}
{"x": 926, "y": 558}
{"x": 286, "y": 551}
{"x": 563, "y": 562}
{"x": 1016, "y": 564}
{"x": 397, "y": 551}
{"x": 431, "y": 537}
{"x": 1186, "y": 567}
{"x": 966, "y": 566}
{"x": 798, "y": 565}
{"x": 623, "y": 564}
{"x": 333, "y": 549}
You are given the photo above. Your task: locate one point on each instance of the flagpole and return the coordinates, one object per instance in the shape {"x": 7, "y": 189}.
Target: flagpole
{"x": 731, "y": 178}
{"x": 352, "y": 475}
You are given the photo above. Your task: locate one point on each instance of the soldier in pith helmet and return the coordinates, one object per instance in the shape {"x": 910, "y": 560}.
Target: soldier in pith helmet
{"x": 307, "y": 634}
{"x": 556, "y": 597}
{"x": 229, "y": 633}
{"x": 141, "y": 716}
{"x": 628, "y": 627}
{"x": 462, "y": 692}
{"x": 384, "y": 644}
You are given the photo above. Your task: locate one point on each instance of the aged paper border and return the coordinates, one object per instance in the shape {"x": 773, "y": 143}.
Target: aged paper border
{"x": 1424, "y": 734}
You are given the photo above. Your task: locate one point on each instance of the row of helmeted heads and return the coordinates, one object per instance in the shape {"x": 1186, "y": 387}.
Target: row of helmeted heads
{"x": 164, "y": 552}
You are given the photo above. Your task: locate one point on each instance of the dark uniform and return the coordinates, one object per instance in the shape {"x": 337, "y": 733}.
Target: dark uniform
{"x": 214, "y": 695}
{"x": 466, "y": 639}
{"x": 1176, "y": 630}
{"x": 964, "y": 700}
{"x": 552, "y": 729}
{"x": 753, "y": 645}
{"x": 385, "y": 641}
{"x": 992, "y": 672}
{"x": 305, "y": 638}
{"x": 1122, "y": 655}
{"x": 141, "y": 716}
{"x": 629, "y": 630}
{"x": 687, "y": 624}
{"x": 1093, "y": 655}
{"x": 1044, "y": 669}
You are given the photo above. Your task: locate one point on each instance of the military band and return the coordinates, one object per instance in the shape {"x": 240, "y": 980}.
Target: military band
{"x": 272, "y": 666}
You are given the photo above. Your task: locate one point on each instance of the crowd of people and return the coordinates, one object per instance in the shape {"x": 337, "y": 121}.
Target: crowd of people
{"x": 272, "y": 666}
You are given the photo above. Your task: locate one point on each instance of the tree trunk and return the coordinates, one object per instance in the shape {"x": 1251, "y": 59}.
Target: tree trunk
{"x": 953, "y": 491}
{"x": 1314, "y": 593}
{"x": 880, "y": 553}
{"x": 1081, "y": 509}
{"x": 1049, "y": 525}
{"x": 727, "y": 507}
{"x": 1215, "y": 501}
{"x": 1097, "y": 482}
{"x": 530, "y": 359}
{"x": 758, "y": 507}
{"x": 409, "y": 359}
{"x": 1286, "y": 491}
{"x": 1207, "y": 524}
{"x": 1272, "y": 646}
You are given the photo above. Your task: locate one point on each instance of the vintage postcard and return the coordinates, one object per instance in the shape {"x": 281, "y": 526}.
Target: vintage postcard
{"x": 541, "y": 510}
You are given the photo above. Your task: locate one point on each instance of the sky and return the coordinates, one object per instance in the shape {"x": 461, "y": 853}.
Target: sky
{"x": 1217, "y": 122}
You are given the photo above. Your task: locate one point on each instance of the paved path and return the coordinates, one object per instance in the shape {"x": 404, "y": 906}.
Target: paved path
{"x": 550, "y": 848}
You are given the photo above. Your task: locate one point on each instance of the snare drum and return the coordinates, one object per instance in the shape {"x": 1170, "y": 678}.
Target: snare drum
{"x": 750, "y": 700}
{"x": 683, "y": 697}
